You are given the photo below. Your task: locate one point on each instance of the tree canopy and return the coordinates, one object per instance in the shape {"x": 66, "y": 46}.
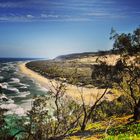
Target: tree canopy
{"x": 126, "y": 43}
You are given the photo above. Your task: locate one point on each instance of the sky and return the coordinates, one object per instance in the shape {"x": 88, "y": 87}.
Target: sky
{"x": 48, "y": 28}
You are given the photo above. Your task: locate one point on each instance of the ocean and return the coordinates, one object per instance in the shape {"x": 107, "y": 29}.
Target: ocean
{"x": 17, "y": 90}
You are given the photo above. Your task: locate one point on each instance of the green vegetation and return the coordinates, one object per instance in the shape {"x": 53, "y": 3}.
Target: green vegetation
{"x": 63, "y": 118}
{"x": 64, "y": 71}
{"x": 126, "y": 43}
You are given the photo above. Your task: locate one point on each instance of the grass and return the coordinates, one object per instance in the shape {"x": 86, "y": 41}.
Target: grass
{"x": 114, "y": 128}
{"x": 123, "y": 137}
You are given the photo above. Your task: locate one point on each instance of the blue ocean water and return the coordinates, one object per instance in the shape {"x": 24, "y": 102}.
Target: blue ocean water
{"x": 4, "y": 60}
{"x": 17, "y": 90}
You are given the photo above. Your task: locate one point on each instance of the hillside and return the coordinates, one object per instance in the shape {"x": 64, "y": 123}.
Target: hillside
{"x": 84, "y": 55}
{"x": 74, "y": 68}
{"x": 93, "y": 97}
{"x": 113, "y": 120}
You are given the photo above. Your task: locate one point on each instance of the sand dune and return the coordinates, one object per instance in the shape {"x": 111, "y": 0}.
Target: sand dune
{"x": 72, "y": 91}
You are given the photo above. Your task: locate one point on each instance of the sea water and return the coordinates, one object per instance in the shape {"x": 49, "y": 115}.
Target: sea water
{"x": 18, "y": 90}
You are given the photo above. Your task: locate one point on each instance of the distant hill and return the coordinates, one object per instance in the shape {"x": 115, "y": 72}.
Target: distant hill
{"x": 84, "y": 54}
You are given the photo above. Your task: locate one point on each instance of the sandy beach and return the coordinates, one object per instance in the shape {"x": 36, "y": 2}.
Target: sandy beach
{"x": 74, "y": 92}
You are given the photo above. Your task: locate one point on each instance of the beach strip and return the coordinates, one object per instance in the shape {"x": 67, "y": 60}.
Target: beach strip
{"x": 72, "y": 91}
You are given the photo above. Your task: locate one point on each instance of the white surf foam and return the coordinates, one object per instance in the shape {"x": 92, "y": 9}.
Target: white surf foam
{"x": 1, "y": 77}
{"x": 10, "y": 101}
{"x": 23, "y": 94}
{"x": 6, "y": 68}
{"x": 41, "y": 87}
{"x": 24, "y": 86}
{"x": 13, "y": 109}
{"x": 3, "y": 97}
{"x": 14, "y": 80}
{"x": 27, "y": 104}
{"x": 13, "y": 89}
{"x": 4, "y": 85}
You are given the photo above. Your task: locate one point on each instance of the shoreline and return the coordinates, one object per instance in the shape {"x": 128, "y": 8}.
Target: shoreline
{"x": 72, "y": 91}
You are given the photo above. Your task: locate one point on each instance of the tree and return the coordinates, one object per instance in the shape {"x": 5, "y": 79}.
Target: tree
{"x": 89, "y": 110}
{"x": 130, "y": 84}
{"x": 129, "y": 70}
{"x": 126, "y": 43}
{"x": 66, "y": 114}
{"x": 54, "y": 116}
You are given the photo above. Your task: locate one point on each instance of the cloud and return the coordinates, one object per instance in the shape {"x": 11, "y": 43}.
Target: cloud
{"x": 4, "y": 18}
{"x": 97, "y": 14}
{"x": 49, "y": 16}
{"x": 136, "y": 12}
{"x": 7, "y": 5}
{"x": 62, "y": 10}
{"x": 16, "y": 18}
{"x": 29, "y": 16}
{"x": 103, "y": 15}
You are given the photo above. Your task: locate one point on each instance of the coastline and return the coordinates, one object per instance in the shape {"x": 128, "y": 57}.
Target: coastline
{"x": 72, "y": 91}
